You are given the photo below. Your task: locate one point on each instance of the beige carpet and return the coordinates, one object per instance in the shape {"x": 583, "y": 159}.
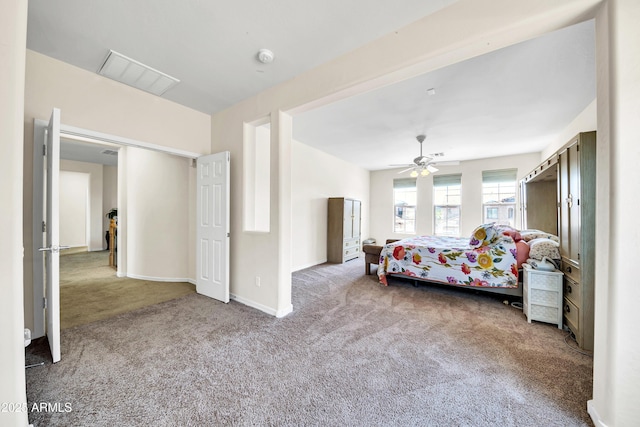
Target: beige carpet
{"x": 90, "y": 290}
{"x": 353, "y": 353}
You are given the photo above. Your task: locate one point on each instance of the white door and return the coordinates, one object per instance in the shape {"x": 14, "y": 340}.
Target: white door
{"x": 212, "y": 232}
{"x": 52, "y": 235}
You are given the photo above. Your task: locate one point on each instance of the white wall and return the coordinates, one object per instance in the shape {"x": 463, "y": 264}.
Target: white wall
{"x": 156, "y": 215}
{"x": 93, "y": 102}
{"x": 382, "y": 211}
{"x": 74, "y": 201}
{"x": 13, "y": 33}
{"x": 96, "y": 241}
{"x": 316, "y": 176}
{"x": 586, "y": 121}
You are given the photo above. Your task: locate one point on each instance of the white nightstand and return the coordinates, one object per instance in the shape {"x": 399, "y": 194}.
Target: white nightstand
{"x": 542, "y": 295}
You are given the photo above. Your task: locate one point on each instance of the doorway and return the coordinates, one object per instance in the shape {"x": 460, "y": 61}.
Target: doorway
{"x": 170, "y": 174}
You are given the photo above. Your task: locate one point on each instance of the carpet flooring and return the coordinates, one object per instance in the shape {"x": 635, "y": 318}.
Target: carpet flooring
{"x": 90, "y": 290}
{"x": 353, "y": 353}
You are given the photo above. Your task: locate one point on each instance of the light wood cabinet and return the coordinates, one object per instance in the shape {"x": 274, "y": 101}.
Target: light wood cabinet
{"x": 577, "y": 181}
{"x": 559, "y": 198}
{"x": 343, "y": 229}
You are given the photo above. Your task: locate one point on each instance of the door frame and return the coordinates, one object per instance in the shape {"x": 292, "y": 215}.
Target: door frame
{"x": 69, "y": 132}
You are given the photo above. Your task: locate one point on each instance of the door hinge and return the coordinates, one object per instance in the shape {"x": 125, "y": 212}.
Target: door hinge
{"x": 44, "y": 303}
{"x": 44, "y": 150}
{"x": 44, "y": 227}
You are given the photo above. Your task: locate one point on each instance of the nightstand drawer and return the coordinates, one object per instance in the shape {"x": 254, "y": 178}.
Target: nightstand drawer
{"x": 544, "y": 313}
{"x": 573, "y": 291}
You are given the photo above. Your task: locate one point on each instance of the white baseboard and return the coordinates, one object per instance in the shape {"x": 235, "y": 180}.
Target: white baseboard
{"x": 261, "y": 307}
{"x": 308, "y": 265}
{"x": 157, "y": 279}
{"x": 593, "y": 413}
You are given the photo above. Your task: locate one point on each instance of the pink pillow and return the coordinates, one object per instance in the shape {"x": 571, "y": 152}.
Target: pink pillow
{"x": 514, "y": 234}
{"x": 522, "y": 252}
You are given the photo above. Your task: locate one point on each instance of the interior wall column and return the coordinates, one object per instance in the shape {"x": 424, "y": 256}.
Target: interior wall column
{"x": 13, "y": 33}
{"x": 281, "y": 133}
{"x": 616, "y": 372}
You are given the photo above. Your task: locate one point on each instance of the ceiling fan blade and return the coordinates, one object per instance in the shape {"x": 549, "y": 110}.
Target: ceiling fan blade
{"x": 432, "y": 168}
{"x": 406, "y": 170}
{"x": 451, "y": 163}
{"x": 406, "y": 165}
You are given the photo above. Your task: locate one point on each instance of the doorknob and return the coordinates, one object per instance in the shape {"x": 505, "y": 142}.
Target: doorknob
{"x": 54, "y": 248}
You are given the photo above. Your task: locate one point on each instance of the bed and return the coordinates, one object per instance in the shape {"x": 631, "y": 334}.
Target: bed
{"x": 489, "y": 260}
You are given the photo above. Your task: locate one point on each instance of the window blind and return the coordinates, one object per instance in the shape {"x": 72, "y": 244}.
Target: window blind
{"x": 445, "y": 180}
{"x": 404, "y": 183}
{"x": 501, "y": 175}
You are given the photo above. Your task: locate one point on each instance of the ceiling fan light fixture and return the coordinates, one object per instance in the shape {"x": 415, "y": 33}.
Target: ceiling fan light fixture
{"x": 424, "y": 172}
{"x": 414, "y": 174}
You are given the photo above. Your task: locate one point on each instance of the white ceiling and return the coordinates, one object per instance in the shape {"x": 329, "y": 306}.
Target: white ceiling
{"x": 92, "y": 152}
{"x": 507, "y": 102}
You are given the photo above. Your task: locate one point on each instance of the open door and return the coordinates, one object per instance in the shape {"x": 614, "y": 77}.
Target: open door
{"x": 52, "y": 235}
{"x": 212, "y": 231}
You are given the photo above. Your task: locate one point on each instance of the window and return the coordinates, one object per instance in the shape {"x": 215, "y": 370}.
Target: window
{"x": 446, "y": 200}
{"x": 492, "y": 213}
{"x": 404, "y": 205}
{"x": 499, "y": 196}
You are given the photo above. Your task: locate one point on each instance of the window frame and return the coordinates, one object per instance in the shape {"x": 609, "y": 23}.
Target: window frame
{"x": 449, "y": 182}
{"x": 405, "y": 184}
{"x": 505, "y": 186}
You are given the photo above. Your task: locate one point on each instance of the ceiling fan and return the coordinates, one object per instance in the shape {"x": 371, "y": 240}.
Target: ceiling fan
{"x": 422, "y": 165}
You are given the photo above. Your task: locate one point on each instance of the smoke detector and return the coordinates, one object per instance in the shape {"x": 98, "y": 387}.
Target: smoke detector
{"x": 265, "y": 56}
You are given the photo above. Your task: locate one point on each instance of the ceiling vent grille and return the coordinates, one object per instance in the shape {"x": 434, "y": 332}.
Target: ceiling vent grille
{"x": 110, "y": 152}
{"x": 133, "y": 73}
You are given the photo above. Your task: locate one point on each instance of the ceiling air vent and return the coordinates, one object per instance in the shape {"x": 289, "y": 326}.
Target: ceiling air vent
{"x": 110, "y": 152}
{"x": 133, "y": 73}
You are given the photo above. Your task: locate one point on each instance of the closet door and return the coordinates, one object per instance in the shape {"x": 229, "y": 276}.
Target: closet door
{"x": 348, "y": 219}
{"x": 574, "y": 205}
{"x": 563, "y": 196}
{"x": 356, "y": 218}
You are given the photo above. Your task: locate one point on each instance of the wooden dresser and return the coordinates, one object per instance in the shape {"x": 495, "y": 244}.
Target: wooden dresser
{"x": 343, "y": 229}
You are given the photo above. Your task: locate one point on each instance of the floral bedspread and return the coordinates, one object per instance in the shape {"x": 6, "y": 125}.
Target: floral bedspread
{"x": 452, "y": 260}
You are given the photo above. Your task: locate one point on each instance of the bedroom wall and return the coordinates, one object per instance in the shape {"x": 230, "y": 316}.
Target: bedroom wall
{"x": 95, "y": 172}
{"x": 586, "y": 121}
{"x": 315, "y": 177}
{"x": 382, "y": 215}
{"x": 74, "y": 201}
{"x": 90, "y": 101}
